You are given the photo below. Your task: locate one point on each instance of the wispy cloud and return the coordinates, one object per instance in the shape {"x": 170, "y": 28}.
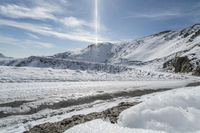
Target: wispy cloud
{"x": 34, "y": 9}
{"x": 158, "y": 14}
{"x": 52, "y": 20}
{"x": 4, "y": 40}
{"x": 41, "y": 10}
{"x": 16, "y": 11}
{"x": 77, "y": 35}
{"x": 75, "y": 22}
{"x": 32, "y": 35}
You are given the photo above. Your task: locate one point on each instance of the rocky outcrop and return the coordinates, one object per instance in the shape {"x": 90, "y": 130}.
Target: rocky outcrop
{"x": 59, "y": 127}
{"x": 183, "y": 65}
{"x": 196, "y": 72}
{"x": 196, "y": 34}
{"x": 179, "y": 64}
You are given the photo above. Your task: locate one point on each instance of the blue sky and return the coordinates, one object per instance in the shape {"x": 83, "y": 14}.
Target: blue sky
{"x": 46, "y": 27}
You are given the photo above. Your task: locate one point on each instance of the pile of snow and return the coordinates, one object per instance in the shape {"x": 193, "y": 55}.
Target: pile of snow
{"x": 99, "y": 126}
{"x": 175, "y": 111}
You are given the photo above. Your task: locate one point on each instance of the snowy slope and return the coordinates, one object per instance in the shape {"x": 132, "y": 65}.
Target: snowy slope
{"x": 93, "y": 53}
{"x": 46, "y": 62}
{"x": 3, "y": 57}
{"x": 114, "y": 57}
{"x": 152, "y": 47}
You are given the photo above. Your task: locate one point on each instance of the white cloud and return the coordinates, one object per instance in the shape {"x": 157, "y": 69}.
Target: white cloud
{"x": 15, "y": 11}
{"x": 73, "y": 22}
{"x": 77, "y": 35}
{"x": 54, "y": 10}
{"x": 46, "y": 45}
{"x": 42, "y": 10}
{"x": 34, "y": 9}
{"x": 158, "y": 14}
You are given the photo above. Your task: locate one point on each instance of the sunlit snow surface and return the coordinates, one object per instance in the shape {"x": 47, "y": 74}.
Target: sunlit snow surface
{"x": 32, "y": 88}
{"x": 31, "y": 74}
{"x": 100, "y": 126}
{"x": 174, "y": 111}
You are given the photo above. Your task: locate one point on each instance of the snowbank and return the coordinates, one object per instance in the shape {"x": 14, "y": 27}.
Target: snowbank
{"x": 175, "y": 111}
{"x": 99, "y": 126}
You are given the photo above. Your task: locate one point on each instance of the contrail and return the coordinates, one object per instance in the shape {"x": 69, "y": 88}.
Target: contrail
{"x": 96, "y": 21}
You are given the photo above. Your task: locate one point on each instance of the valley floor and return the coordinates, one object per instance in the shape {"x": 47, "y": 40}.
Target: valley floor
{"x": 28, "y": 99}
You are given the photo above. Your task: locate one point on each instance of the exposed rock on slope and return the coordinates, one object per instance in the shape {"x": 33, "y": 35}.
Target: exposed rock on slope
{"x": 183, "y": 65}
{"x": 179, "y": 64}
{"x": 197, "y": 71}
{"x": 59, "y": 127}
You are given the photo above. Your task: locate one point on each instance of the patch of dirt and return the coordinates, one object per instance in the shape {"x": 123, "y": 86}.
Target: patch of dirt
{"x": 110, "y": 114}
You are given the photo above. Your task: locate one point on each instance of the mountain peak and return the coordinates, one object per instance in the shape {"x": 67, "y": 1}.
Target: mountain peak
{"x": 197, "y": 24}
{"x": 2, "y": 56}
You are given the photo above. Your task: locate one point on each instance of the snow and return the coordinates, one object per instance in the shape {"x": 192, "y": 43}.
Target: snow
{"x": 95, "y": 53}
{"x": 46, "y": 86}
{"x": 30, "y": 74}
{"x": 52, "y": 92}
{"x": 148, "y": 48}
{"x": 157, "y": 46}
{"x": 48, "y": 93}
{"x": 19, "y": 124}
{"x": 105, "y": 68}
{"x": 175, "y": 111}
{"x": 100, "y": 126}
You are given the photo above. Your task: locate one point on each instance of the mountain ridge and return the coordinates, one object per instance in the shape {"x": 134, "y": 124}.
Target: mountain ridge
{"x": 161, "y": 47}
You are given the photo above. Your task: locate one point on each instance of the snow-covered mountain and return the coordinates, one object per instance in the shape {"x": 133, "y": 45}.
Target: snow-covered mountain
{"x": 45, "y": 62}
{"x": 93, "y": 53}
{"x": 4, "y": 57}
{"x": 182, "y": 42}
{"x": 162, "y": 47}
{"x": 1, "y": 55}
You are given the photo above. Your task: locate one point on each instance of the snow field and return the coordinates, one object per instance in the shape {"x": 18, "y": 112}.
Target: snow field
{"x": 174, "y": 111}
